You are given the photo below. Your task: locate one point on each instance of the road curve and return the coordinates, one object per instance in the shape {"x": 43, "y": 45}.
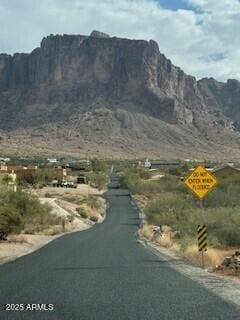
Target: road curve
{"x": 103, "y": 273}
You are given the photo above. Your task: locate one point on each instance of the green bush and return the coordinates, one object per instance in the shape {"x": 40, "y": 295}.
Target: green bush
{"x": 175, "y": 171}
{"x": 19, "y": 209}
{"x": 132, "y": 180}
{"x": 224, "y": 195}
{"x": 172, "y": 210}
{"x": 98, "y": 180}
{"x": 94, "y": 218}
{"x": 92, "y": 201}
{"x": 223, "y": 225}
{"x": 98, "y": 165}
{"x": 144, "y": 174}
{"x": 10, "y": 220}
{"x": 82, "y": 212}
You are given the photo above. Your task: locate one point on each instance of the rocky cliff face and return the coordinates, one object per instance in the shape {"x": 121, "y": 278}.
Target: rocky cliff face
{"x": 222, "y": 98}
{"x": 104, "y": 95}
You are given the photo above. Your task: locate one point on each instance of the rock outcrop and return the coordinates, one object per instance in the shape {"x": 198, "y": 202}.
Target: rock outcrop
{"x": 230, "y": 264}
{"x": 105, "y": 95}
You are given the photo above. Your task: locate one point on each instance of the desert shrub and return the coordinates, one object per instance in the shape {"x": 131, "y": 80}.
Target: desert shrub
{"x": 170, "y": 183}
{"x": 49, "y": 195}
{"x": 25, "y": 203}
{"x": 98, "y": 180}
{"x": 19, "y": 209}
{"x": 131, "y": 180}
{"x": 144, "y": 174}
{"x": 224, "y": 195}
{"x": 82, "y": 212}
{"x": 175, "y": 171}
{"x": 223, "y": 225}
{"x": 172, "y": 210}
{"x": 10, "y": 219}
{"x": 30, "y": 228}
{"x": 70, "y": 218}
{"x": 94, "y": 218}
{"x": 93, "y": 202}
{"x": 72, "y": 198}
{"x": 98, "y": 165}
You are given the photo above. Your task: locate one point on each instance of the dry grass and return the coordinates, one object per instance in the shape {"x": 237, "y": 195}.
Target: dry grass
{"x": 165, "y": 240}
{"x": 53, "y": 230}
{"x": 147, "y": 232}
{"x": 17, "y": 238}
{"x": 212, "y": 257}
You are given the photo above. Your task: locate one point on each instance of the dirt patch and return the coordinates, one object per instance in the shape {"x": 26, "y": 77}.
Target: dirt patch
{"x": 80, "y": 191}
{"x": 20, "y": 245}
{"x": 156, "y": 177}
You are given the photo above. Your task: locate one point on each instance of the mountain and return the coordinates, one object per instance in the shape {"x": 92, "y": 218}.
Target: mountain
{"x": 100, "y": 95}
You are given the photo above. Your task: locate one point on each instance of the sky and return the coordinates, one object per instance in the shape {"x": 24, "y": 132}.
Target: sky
{"x": 200, "y": 36}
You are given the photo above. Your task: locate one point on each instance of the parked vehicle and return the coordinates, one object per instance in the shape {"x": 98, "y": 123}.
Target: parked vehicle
{"x": 82, "y": 179}
{"x": 64, "y": 184}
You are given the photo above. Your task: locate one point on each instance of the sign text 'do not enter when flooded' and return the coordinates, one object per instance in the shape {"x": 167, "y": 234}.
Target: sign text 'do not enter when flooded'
{"x": 200, "y": 181}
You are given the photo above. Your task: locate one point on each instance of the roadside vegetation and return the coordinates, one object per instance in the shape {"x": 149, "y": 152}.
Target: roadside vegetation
{"x": 91, "y": 207}
{"x": 170, "y": 203}
{"x": 96, "y": 173}
{"x": 23, "y": 212}
{"x": 98, "y": 177}
{"x": 97, "y": 180}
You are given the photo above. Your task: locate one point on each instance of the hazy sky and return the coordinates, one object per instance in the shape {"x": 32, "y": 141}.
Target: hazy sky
{"x": 200, "y": 36}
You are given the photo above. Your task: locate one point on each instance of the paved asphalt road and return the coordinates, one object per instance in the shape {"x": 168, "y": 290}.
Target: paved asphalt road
{"x": 104, "y": 274}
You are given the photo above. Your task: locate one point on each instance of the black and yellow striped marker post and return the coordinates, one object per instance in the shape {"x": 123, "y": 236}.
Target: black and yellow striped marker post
{"x": 202, "y": 240}
{"x": 202, "y": 237}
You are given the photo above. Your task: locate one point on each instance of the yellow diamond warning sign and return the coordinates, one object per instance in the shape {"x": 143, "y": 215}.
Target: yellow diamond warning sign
{"x": 200, "y": 181}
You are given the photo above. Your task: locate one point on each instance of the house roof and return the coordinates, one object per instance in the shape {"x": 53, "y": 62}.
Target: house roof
{"x": 227, "y": 167}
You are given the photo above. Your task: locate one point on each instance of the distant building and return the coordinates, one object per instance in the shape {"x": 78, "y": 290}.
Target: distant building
{"x": 61, "y": 174}
{"x": 22, "y": 172}
{"x": 52, "y": 160}
{"x": 2, "y": 159}
{"x": 147, "y": 164}
{"x": 164, "y": 164}
{"x": 3, "y": 167}
{"x": 80, "y": 165}
{"x": 226, "y": 171}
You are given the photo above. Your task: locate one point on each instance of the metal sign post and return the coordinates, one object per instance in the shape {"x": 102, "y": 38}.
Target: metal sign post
{"x": 201, "y": 182}
{"x": 199, "y": 238}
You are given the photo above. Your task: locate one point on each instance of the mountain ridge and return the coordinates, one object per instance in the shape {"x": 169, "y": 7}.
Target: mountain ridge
{"x": 102, "y": 95}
